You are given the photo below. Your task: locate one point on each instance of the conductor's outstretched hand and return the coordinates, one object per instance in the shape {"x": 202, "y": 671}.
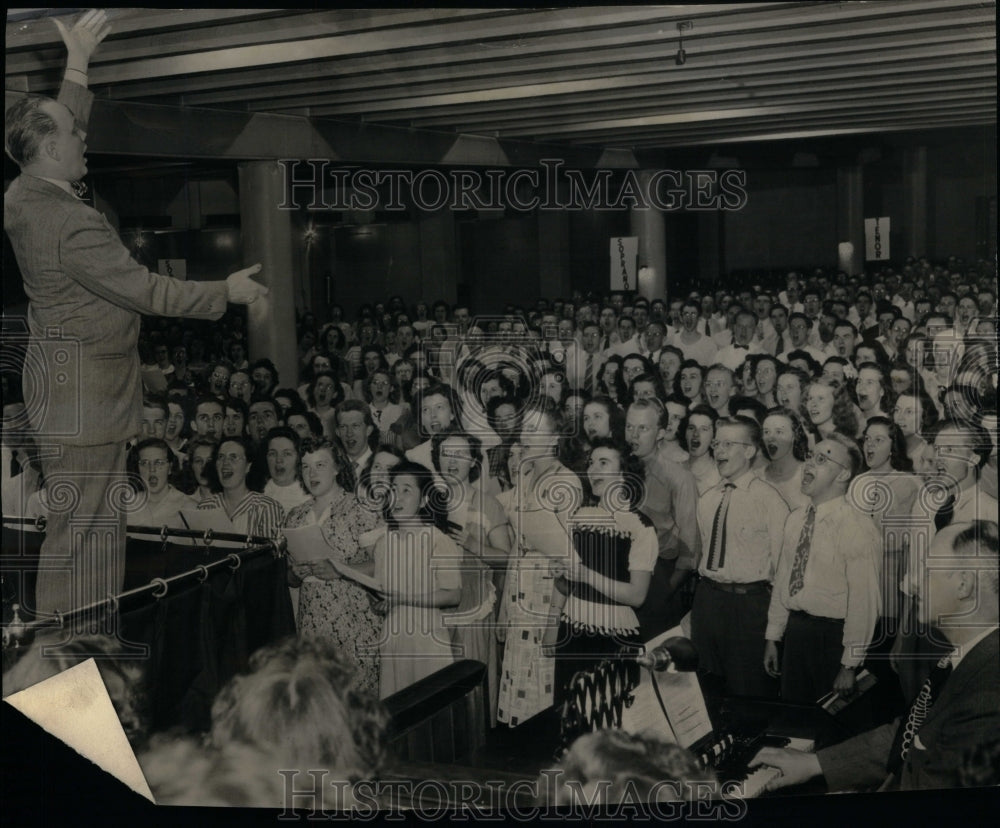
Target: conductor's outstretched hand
{"x": 83, "y": 38}
{"x": 242, "y": 289}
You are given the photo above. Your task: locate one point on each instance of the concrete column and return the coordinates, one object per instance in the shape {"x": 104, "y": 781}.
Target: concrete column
{"x": 851, "y": 216}
{"x": 647, "y": 224}
{"x": 267, "y": 238}
{"x": 914, "y": 202}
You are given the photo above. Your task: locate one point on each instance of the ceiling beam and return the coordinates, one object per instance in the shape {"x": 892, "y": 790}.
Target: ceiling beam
{"x": 532, "y": 113}
{"x": 123, "y": 128}
{"x": 644, "y": 61}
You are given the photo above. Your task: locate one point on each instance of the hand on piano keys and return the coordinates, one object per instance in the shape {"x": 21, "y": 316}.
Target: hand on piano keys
{"x": 793, "y": 767}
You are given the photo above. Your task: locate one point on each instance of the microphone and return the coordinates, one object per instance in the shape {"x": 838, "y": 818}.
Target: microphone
{"x": 678, "y": 651}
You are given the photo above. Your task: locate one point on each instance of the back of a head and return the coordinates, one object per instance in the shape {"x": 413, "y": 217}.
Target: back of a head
{"x": 122, "y": 675}
{"x": 299, "y": 704}
{"x": 611, "y": 765}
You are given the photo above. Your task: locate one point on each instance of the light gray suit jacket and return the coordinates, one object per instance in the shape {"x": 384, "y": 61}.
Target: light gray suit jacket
{"x": 81, "y": 375}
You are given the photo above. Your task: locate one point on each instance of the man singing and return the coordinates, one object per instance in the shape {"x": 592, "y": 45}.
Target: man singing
{"x": 86, "y": 295}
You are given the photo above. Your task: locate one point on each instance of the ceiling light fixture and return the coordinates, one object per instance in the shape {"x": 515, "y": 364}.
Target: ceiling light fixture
{"x": 683, "y": 26}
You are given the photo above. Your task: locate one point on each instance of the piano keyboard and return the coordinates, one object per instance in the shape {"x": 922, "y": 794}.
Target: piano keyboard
{"x": 750, "y": 784}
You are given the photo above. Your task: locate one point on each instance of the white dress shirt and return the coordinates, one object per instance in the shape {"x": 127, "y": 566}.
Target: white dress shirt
{"x": 754, "y": 524}
{"x": 841, "y": 578}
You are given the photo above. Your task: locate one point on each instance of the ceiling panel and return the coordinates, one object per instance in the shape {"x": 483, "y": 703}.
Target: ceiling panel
{"x": 594, "y": 76}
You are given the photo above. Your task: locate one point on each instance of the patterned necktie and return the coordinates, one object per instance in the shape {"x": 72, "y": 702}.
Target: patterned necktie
{"x": 918, "y": 714}
{"x": 79, "y": 189}
{"x": 802, "y": 551}
{"x": 944, "y": 516}
{"x": 717, "y": 548}
{"x": 588, "y": 375}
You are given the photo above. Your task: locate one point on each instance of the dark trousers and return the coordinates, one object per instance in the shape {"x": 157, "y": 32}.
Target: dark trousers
{"x": 727, "y": 630}
{"x": 811, "y": 659}
{"x": 661, "y": 610}
{"x": 83, "y": 556}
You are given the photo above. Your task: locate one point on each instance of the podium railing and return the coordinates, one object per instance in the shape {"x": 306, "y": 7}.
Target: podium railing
{"x": 194, "y": 623}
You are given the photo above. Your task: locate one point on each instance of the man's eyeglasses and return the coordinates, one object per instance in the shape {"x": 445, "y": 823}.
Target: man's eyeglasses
{"x": 725, "y": 445}
{"x": 821, "y": 459}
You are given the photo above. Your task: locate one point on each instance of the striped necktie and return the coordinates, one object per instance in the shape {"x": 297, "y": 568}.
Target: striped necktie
{"x": 802, "y": 552}
{"x": 717, "y": 547}
{"x": 588, "y": 375}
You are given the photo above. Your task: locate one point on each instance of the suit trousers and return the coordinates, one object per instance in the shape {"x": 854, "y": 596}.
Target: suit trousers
{"x": 811, "y": 658}
{"x": 82, "y": 558}
{"x": 727, "y": 630}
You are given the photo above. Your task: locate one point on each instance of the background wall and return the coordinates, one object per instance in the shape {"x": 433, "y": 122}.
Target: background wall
{"x": 190, "y": 210}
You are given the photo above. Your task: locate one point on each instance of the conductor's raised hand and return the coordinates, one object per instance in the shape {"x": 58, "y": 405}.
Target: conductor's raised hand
{"x": 242, "y": 289}
{"x": 83, "y": 37}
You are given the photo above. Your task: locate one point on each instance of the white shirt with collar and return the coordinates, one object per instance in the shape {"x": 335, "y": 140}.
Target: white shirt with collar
{"x": 840, "y": 578}
{"x": 361, "y": 462}
{"x": 62, "y": 185}
{"x": 733, "y": 356}
{"x": 961, "y": 652}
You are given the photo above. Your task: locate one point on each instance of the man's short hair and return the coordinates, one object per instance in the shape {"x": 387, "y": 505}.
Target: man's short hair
{"x": 26, "y": 125}
{"x": 354, "y": 405}
{"x": 982, "y": 535}
{"x": 654, "y": 405}
{"x": 802, "y": 316}
{"x": 751, "y": 429}
{"x": 853, "y": 452}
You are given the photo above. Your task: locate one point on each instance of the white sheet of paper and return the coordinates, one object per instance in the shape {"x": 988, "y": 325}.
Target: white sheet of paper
{"x": 74, "y": 706}
{"x": 687, "y": 715}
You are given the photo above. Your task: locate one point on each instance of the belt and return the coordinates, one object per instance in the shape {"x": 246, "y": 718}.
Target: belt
{"x": 808, "y": 615}
{"x": 738, "y": 589}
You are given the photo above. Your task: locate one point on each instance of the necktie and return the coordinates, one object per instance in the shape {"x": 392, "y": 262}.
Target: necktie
{"x": 79, "y": 189}
{"x": 779, "y": 348}
{"x": 918, "y": 714}
{"x": 944, "y": 516}
{"x": 717, "y": 547}
{"x": 708, "y": 329}
{"x": 588, "y": 375}
{"x": 607, "y": 342}
{"x": 802, "y": 551}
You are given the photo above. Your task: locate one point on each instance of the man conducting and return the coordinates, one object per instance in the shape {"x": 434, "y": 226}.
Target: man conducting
{"x": 86, "y": 295}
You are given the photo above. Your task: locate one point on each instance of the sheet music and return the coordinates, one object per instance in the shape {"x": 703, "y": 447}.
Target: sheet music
{"x": 687, "y": 718}
{"x": 306, "y": 544}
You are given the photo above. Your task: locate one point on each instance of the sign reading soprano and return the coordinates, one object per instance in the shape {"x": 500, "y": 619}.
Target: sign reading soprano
{"x": 624, "y": 256}
{"x": 314, "y": 185}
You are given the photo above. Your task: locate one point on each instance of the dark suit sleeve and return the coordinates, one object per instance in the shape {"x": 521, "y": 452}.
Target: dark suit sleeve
{"x": 92, "y": 255}
{"x": 941, "y": 746}
{"x": 859, "y": 762}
